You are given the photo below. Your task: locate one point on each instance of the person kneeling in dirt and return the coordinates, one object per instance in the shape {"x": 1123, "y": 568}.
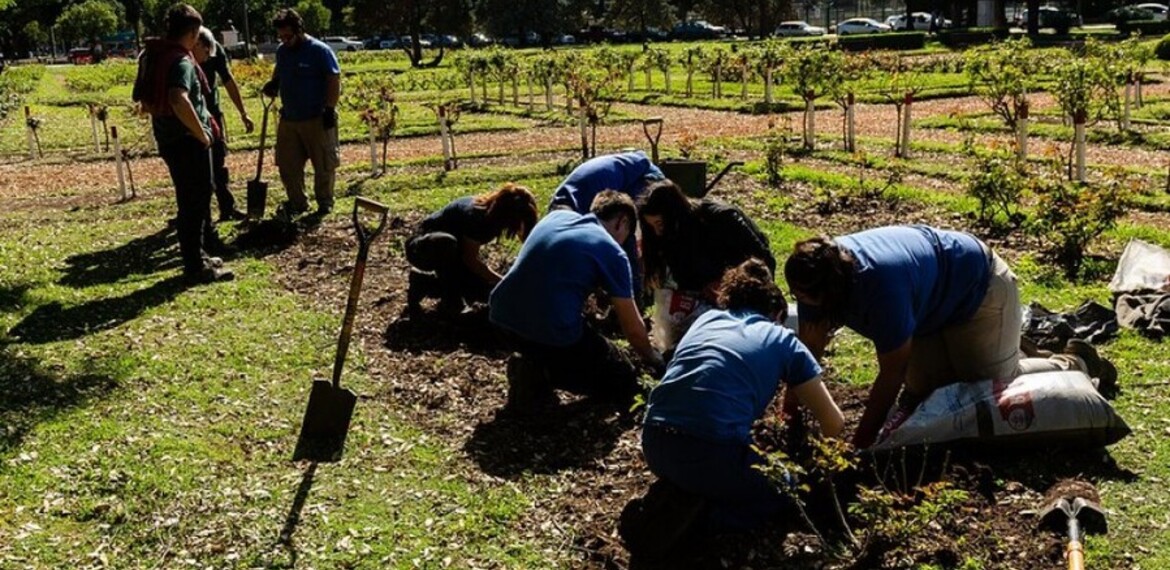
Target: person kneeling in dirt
{"x": 173, "y": 90}
{"x": 445, "y": 251}
{"x": 726, "y": 370}
{"x": 939, "y": 306}
{"x": 538, "y": 306}
{"x": 694, "y": 242}
{"x": 627, "y": 173}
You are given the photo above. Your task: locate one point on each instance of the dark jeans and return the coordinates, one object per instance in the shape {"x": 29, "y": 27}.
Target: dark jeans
{"x": 440, "y": 252}
{"x": 741, "y": 498}
{"x": 190, "y": 167}
{"x": 223, "y": 195}
{"x": 593, "y": 366}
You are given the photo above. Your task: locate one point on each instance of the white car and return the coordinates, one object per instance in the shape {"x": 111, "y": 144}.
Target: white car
{"x": 797, "y": 29}
{"x": 1160, "y": 11}
{"x": 338, "y": 43}
{"x": 854, "y": 26}
{"x": 919, "y": 21}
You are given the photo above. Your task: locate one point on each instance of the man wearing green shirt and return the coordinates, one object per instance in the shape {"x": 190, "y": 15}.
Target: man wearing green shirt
{"x": 172, "y": 88}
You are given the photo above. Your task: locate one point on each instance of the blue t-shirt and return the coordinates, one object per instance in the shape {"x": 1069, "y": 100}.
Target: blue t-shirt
{"x": 302, "y": 71}
{"x": 725, "y": 370}
{"x": 912, "y": 281}
{"x": 625, "y": 173}
{"x": 565, "y": 257}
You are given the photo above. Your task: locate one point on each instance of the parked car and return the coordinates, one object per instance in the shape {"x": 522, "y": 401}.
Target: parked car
{"x": 408, "y": 42}
{"x": 530, "y": 39}
{"x": 80, "y": 56}
{"x": 448, "y": 41}
{"x": 599, "y": 34}
{"x": 1160, "y": 11}
{"x": 854, "y": 26}
{"x": 650, "y": 34}
{"x": 1052, "y": 17}
{"x": 918, "y": 21}
{"x": 697, "y": 30}
{"x": 565, "y": 39}
{"x": 797, "y": 29}
{"x": 338, "y": 43}
{"x": 479, "y": 40}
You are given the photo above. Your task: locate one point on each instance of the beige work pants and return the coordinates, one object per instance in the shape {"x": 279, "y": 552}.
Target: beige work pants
{"x": 301, "y": 141}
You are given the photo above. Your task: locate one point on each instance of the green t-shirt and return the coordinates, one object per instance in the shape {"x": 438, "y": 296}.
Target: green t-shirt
{"x": 169, "y": 129}
{"x": 216, "y": 68}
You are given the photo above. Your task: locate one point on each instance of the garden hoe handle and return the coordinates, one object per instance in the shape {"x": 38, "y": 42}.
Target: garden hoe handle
{"x": 653, "y": 138}
{"x": 365, "y": 237}
{"x": 267, "y": 103}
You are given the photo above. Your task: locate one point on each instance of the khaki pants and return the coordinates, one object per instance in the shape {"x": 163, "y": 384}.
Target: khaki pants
{"x": 985, "y": 346}
{"x": 300, "y": 141}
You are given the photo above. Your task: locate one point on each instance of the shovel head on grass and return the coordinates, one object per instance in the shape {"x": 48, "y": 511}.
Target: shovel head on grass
{"x": 326, "y": 423}
{"x": 257, "y": 198}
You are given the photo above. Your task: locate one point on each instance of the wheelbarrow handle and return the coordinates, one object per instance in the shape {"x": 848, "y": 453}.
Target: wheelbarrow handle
{"x": 366, "y": 235}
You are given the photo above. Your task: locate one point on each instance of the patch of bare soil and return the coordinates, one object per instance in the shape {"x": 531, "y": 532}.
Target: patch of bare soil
{"x": 448, "y": 378}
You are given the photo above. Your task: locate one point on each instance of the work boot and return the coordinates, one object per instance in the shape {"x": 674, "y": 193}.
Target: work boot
{"x": 232, "y": 215}
{"x": 1095, "y": 365}
{"x": 419, "y": 285}
{"x": 529, "y": 389}
{"x": 655, "y": 526}
{"x": 209, "y": 274}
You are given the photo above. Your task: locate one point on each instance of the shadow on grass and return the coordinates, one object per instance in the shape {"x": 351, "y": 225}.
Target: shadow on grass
{"x": 52, "y": 322}
{"x": 12, "y": 297}
{"x": 139, "y": 256}
{"x": 271, "y": 236}
{"x": 30, "y": 394}
{"x": 469, "y": 331}
{"x": 567, "y": 436}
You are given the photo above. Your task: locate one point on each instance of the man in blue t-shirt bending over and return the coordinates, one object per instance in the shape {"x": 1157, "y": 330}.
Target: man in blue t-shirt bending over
{"x": 627, "y": 173}
{"x": 539, "y": 302}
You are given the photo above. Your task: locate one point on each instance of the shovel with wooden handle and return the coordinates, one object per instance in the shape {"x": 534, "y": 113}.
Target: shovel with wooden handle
{"x": 330, "y": 409}
{"x": 1076, "y": 516}
{"x": 257, "y": 188}
{"x": 657, "y": 121}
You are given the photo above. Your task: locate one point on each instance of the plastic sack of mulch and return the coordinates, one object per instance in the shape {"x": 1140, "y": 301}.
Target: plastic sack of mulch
{"x": 1040, "y": 409}
{"x": 674, "y": 311}
{"x": 1142, "y": 267}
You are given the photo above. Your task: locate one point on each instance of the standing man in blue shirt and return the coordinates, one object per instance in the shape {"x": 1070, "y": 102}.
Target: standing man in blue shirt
{"x": 308, "y": 79}
{"x": 538, "y": 304}
{"x": 939, "y": 306}
{"x": 628, "y": 173}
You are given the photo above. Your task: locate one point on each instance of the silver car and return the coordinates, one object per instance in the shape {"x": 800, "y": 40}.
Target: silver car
{"x": 796, "y": 29}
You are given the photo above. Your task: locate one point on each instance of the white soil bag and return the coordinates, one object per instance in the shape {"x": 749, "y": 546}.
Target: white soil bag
{"x": 1142, "y": 267}
{"x": 1041, "y": 409}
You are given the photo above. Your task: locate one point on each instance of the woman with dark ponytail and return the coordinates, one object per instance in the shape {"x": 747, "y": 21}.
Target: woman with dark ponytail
{"x": 726, "y": 370}
{"x": 939, "y": 306}
{"x": 445, "y": 251}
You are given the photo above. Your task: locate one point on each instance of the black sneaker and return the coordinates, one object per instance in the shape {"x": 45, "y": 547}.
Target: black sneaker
{"x": 287, "y": 211}
{"x": 209, "y": 274}
{"x": 232, "y": 215}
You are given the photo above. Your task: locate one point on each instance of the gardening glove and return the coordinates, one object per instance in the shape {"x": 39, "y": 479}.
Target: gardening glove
{"x": 272, "y": 88}
{"x": 329, "y": 118}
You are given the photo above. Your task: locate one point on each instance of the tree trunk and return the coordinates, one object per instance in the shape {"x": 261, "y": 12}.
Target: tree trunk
{"x": 1125, "y": 104}
{"x": 485, "y": 86}
{"x": 850, "y": 131}
{"x": 1079, "y": 145}
{"x": 690, "y": 82}
{"x": 1138, "y": 102}
{"x": 568, "y": 99}
{"x": 373, "y": 151}
{"x": 666, "y": 79}
{"x": 630, "y": 79}
{"x": 444, "y": 136}
{"x": 501, "y": 97}
{"x": 471, "y": 84}
{"x": 743, "y": 81}
{"x": 768, "y": 86}
{"x": 515, "y": 91}
{"x": 584, "y": 123}
{"x": 1022, "y": 131}
{"x": 810, "y": 123}
{"x": 717, "y": 88}
{"x": 548, "y": 93}
{"x": 906, "y": 127}
{"x": 649, "y": 81}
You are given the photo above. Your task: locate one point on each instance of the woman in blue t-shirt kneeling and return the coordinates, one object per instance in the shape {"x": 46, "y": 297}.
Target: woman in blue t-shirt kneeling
{"x": 726, "y": 370}
{"x": 445, "y": 251}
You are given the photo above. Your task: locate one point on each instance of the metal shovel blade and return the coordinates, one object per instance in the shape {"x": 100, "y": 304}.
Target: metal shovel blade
{"x": 326, "y": 423}
{"x": 1088, "y": 514}
{"x": 257, "y": 198}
